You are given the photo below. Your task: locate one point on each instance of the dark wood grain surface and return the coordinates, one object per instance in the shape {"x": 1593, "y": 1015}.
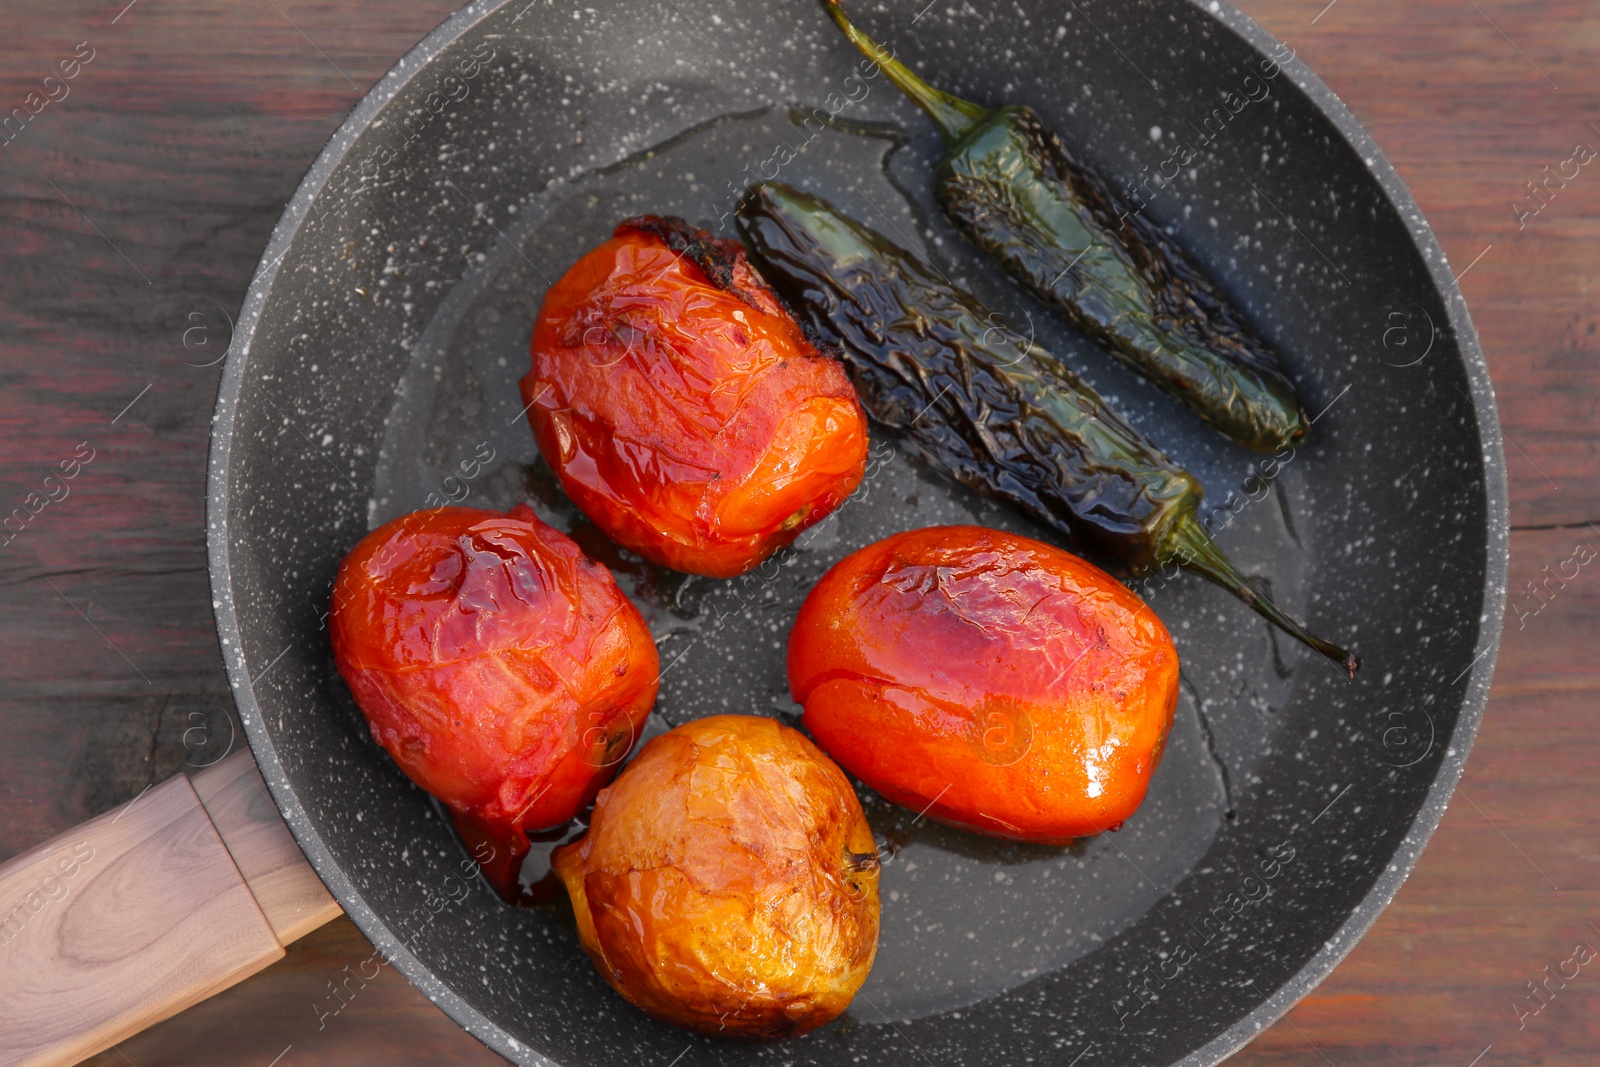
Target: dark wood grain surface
{"x": 132, "y": 214}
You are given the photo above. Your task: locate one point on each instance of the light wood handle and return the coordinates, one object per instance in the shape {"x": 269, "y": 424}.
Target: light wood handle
{"x": 139, "y": 913}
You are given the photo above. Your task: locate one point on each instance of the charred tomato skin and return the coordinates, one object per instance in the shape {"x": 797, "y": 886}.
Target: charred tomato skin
{"x": 500, "y": 667}
{"x": 682, "y": 408}
{"x": 1002, "y": 685}
{"x": 729, "y": 881}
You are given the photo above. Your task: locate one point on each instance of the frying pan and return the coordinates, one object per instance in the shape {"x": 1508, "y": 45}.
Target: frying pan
{"x": 373, "y": 370}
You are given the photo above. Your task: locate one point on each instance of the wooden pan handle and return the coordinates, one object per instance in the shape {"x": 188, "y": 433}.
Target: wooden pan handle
{"x": 128, "y": 919}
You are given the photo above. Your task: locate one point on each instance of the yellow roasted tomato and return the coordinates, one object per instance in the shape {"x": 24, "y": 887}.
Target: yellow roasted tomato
{"x": 729, "y": 881}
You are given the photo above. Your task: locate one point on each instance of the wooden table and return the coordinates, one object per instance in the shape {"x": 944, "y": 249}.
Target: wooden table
{"x": 134, "y": 212}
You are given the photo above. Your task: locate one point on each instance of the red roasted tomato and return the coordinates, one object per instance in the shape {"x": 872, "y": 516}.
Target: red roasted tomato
{"x": 500, "y": 667}
{"x": 998, "y": 683}
{"x": 680, "y": 405}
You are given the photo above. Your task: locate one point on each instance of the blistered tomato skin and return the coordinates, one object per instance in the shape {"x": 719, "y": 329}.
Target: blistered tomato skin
{"x": 501, "y": 668}
{"x": 1005, "y": 686}
{"x": 681, "y": 407}
{"x": 729, "y": 881}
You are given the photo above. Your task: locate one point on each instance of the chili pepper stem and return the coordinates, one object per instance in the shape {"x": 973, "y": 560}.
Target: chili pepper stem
{"x": 955, "y": 117}
{"x": 1194, "y": 549}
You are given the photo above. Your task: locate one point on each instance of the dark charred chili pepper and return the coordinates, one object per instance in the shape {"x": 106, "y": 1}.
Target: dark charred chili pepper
{"x": 1000, "y": 417}
{"x": 1061, "y": 230}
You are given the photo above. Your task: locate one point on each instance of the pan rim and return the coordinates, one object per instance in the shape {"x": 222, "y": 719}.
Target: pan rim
{"x": 1408, "y": 851}
{"x": 1497, "y": 549}
{"x": 295, "y": 213}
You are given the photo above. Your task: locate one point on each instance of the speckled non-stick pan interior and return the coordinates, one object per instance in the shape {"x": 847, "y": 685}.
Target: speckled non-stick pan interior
{"x": 374, "y": 370}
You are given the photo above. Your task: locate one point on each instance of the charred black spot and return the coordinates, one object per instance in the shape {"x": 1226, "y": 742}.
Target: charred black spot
{"x": 716, "y": 257}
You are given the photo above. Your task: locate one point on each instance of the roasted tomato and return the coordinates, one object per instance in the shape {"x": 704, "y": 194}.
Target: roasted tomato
{"x": 997, "y": 683}
{"x": 680, "y": 405}
{"x": 729, "y": 881}
{"x": 500, "y": 667}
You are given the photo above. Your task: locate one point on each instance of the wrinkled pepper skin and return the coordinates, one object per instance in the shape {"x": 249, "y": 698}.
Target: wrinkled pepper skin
{"x": 1058, "y": 228}
{"x": 680, "y": 405}
{"x": 500, "y": 667}
{"x": 729, "y": 881}
{"x": 1000, "y": 416}
{"x": 926, "y": 362}
{"x": 997, "y": 683}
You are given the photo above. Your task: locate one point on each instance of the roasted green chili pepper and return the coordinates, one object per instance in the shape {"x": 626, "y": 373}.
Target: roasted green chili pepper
{"x": 1059, "y": 228}
{"x": 997, "y": 414}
